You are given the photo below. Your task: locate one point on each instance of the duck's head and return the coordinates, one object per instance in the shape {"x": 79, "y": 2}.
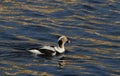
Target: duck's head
{"x": 62, "y": 40}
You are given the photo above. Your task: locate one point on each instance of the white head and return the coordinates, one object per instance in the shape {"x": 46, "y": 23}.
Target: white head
{"x": 62, "y": 40}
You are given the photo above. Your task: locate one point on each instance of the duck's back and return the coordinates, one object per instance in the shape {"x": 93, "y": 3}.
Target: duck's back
{"x": 45, "y": 50}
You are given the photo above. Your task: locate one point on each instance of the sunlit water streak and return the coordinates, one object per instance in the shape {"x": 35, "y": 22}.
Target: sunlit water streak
{"x": 93, "y": 26}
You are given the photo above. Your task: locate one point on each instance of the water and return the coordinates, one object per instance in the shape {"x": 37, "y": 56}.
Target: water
{"x": 93, "y": 26}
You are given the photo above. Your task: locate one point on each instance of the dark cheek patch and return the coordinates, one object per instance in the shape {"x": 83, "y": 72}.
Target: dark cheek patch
{"x": 60, "y": 43}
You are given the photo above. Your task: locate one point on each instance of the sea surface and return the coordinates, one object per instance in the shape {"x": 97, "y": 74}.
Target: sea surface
{"x": 93, "y": 27}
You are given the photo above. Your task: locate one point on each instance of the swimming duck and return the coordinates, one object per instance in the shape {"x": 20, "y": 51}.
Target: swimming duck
{"x": 51, "y": 50}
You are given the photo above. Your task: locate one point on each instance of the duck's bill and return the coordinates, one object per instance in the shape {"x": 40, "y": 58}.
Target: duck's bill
{"x": 68, "y": 41}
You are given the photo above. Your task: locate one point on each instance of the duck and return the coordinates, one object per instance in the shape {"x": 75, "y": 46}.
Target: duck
{"x": 51, "y": 50}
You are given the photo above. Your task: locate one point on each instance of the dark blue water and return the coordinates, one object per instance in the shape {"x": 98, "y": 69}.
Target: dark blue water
{"x": 93, "y": 27}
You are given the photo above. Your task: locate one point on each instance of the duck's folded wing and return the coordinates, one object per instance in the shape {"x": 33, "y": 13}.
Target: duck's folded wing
{"x": 47, "y": 52}
{"x": 48, "y": 48}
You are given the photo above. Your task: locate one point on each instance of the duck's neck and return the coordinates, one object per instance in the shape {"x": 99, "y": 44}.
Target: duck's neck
{"x": 61, "y": 44}
{"x": 60, "y": 48}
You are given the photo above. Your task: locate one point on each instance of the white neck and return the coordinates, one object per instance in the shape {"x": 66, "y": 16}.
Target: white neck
{"x": 59, "y": 49}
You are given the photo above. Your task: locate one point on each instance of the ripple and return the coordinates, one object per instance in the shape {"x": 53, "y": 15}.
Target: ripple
{"x": 92, "y": 27}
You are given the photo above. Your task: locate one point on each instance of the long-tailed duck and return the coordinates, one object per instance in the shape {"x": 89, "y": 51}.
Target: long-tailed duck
{"x": 51, "y": 50}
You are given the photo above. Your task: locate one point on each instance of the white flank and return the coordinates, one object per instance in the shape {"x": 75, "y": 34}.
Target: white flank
{"x": 34, "y": 51}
